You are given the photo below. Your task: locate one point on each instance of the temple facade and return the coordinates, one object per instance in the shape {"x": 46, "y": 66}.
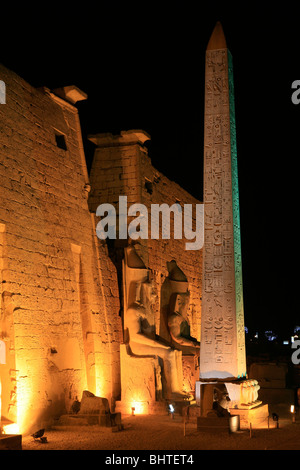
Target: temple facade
{"x": 63, "y": 292}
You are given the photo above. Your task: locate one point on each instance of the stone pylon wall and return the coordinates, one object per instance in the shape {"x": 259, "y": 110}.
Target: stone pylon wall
{"x": 59, "y": 294}
{"x": 122, "y": 167}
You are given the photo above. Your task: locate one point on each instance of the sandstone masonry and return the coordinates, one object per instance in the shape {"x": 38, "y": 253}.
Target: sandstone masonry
{"x": 61, "y": 296}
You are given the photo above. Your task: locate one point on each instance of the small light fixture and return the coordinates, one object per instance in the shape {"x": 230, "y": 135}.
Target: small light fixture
{"x": 292, "y": 410}
{"x": 132, "y": 410}
{"x": 171, "y": 410}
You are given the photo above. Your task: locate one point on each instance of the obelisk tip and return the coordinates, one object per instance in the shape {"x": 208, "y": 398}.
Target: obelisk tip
{"x": 217, "y": 39}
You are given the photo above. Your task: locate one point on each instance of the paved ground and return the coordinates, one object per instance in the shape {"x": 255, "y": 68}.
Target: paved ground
{"x": 162, "y": 433}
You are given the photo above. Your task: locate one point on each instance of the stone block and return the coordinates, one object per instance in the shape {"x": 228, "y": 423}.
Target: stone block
{"x": 90, "y": 404}
{"x": 11, "y": 442}
{"x": 258, "y": 416}
{"x": 78, "y": 420}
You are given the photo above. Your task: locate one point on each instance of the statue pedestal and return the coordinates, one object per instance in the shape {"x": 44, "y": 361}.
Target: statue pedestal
{"x": 190, "y": 372}
{"x": 257, "y": 416}
{"x": 204, "y": 392}
{"x": 143, "y": 388}
{"x": 138, "y": 383}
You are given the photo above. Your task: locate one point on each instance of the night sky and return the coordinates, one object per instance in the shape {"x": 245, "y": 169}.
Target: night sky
{"x": 142, "y": 66}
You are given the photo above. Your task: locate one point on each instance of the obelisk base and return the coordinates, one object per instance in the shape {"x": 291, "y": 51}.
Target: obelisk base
{"x": 242, "y": 400}
{"x": 256, "y": 417}
{"x": 204, "y": 394}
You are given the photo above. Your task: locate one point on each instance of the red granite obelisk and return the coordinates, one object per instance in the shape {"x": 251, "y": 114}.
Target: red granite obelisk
{"x": 222, "y": 353}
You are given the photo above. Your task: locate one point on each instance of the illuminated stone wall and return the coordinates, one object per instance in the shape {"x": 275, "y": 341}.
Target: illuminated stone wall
{"x": 59, "y": 294}
{"x": 122, "y": 167}
{"x": 61, "y": 287}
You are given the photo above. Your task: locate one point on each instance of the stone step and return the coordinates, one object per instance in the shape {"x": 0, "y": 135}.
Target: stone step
{"x": 84, "y": 419}
{"x": 11, "y": 442}
{"x": 78, "y": 420}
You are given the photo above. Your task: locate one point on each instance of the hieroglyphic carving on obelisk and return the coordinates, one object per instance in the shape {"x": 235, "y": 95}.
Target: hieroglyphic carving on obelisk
{"x": 222, "y": 353}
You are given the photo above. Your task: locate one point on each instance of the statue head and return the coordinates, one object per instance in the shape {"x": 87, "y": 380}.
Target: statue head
{"x": 181, "y": 303}
{"x": 175, "y": 273}
{"x": 148, "y": 293}
{"x": 134, "y": 274}
{"x": 178, "y": 288}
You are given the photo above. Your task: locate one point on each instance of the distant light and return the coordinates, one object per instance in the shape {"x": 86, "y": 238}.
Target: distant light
{"x": 292, "y": 409}
{"x": 285, "y": 342}
{"x": 270, "y": 335}
{"x": 256, "y": 335}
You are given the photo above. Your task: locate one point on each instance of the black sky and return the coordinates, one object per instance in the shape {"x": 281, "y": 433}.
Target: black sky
{"x": 142, "y": 66}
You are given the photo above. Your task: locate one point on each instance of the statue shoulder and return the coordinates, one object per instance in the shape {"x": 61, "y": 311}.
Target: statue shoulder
{"x": 136, "y": 308}
{"x": 174, "y": 318}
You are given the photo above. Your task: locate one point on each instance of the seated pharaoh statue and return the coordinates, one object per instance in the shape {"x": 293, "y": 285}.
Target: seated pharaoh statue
{"x": 176, "y": 316}
{"x": 139, "y": 327}
{"x": 179, "y": 327}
